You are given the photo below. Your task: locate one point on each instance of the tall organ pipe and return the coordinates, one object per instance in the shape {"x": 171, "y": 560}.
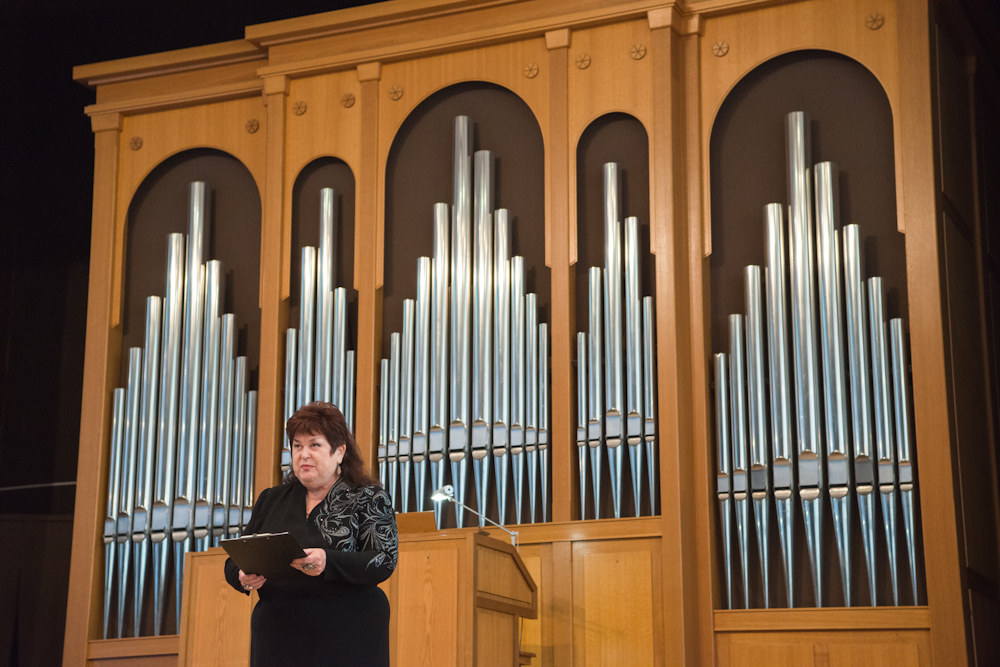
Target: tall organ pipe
{"x": 834, "y": 382}
{"x": 145, "y": 456}
{"x": 114, "y": 490}
{"x": 857, "y": 339}
{"x": 327, "y": 360}
{"x": 634, "y": 349}
{"x": 739, "y": 460}
{"x": 531, "y": 398}
{"x": 723, "y": 488}
{"x": 518, "y": 380}
{"x": 783, "y": 470}
{"x": 406, "y": 403}
{"x": 307, "y": 325}
{"x": 437, "y": 435}
{"x": 502, "y": 351}
{"x": 807, "y": 382}
{"x": 291, "y": 392}
{"x": 759, "y": 471}
{"x": 901, "y": 400}
{"x": 614, "y": 363}
{"x": 543, "y": 413}
{"x": 595, "y": 424}
{"x": 421, "y": 373}
{"x": 883, "y": 426}
{"x": 126, "y": 499}
{"x": 649, "y": 397}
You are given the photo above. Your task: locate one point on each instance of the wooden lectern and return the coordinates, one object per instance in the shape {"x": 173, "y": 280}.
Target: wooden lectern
{"x": 455, "y": 597}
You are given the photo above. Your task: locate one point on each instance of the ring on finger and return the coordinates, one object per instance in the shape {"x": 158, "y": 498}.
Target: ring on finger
{"x": 309, "y": 566}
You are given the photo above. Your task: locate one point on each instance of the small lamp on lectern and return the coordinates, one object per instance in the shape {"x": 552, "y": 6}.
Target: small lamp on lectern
{"x": 447, "y": 494}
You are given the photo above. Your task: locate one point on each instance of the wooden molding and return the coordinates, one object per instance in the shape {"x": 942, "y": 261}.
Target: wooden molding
{"x": 133, "y": 647}
{"x": 178, "y": 99}
{"x": 106, "y": 121}
{"x": 844, "y": 618}
{"x": 276, "y": 85}
{"x": 169, "y": 62}
{"x": 557, "y": 39}
{"x": 370, "y": 72}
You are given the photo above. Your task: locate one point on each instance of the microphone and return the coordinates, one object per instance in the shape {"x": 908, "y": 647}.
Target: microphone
{"x": 447, "y": 493}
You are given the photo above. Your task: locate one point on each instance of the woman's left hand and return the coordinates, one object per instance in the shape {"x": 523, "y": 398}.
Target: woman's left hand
{"x": 313, "y": 564}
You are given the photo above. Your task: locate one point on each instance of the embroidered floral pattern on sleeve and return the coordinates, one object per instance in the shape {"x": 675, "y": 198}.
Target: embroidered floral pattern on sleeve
{"x": 360, "y": 519}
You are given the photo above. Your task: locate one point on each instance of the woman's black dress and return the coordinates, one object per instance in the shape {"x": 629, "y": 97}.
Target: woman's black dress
{"x": 340, "y": 617}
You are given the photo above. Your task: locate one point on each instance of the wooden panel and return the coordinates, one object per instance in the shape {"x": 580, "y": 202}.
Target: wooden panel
{"x": 215, "y": 619}
{"x": 497, "y": 575}
{"x": 495, "y": 638}
{"x": 615, "y": 620}
{"x": 826, "y": 649}
{"x": 427, "y": 609}
{"x": 133, "y": 647}
{"x": 532, "y": 638}
{"x": 859, "y": 618}
{"x": 149, "y": 661}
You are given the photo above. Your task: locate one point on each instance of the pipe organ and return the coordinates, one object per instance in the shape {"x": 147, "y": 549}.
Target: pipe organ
{"x": 807, "y": 418}
{"x": 466, "y": 381}
{"x": 854, "y": 394}
{"x": 183, "y": 437}
{"x": 318, "y": 365}
{"x": 616, "y": 400}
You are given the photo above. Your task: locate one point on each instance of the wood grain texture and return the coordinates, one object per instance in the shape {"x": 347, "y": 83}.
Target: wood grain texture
{"x": 426, "y": 610}
{"x": 615, "y": 619}
{"x": 840, "y": 649}
{"x": 215, "y": 619}
{"x": 84, "y": 603}
{"x": 142, "y": 647}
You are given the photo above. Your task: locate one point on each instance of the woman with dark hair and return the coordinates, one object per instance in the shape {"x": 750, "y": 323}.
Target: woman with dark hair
{"x": 333, "y": 613}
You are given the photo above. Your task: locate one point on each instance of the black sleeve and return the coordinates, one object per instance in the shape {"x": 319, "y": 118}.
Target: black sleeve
{"x": 378, "y": 545}
{"x": 233, "y": 572}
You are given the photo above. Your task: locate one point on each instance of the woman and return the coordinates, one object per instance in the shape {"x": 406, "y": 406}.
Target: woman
{"x": 334, "y": 613}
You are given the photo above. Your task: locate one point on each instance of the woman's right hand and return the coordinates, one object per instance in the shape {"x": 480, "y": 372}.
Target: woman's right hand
{"x": 251, "y": 582}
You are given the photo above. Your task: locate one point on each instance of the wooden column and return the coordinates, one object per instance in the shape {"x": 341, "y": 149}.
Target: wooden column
{"x": 84, "y": 607}
{"x": 944, "y": 566}
{"x": 275, "y": 261}
{"x": 676, "y": 436}
{"x": 368, "y": 257}
{"x": 561, "y": 258}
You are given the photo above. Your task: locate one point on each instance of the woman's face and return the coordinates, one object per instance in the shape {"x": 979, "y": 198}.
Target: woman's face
{"x": 314, "y": 462}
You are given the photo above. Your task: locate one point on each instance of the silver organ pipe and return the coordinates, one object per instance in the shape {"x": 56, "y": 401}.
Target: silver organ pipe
{"x": 634, "y": 351}
{"x": 864, "y": 461}
{"x": 129, "y": 473}
{"x": 885, "y": 447}
{"x": 480, "y": 356}
{"x": 421, "y": 386}
{"x": 307, "y": 325}
{"x": 406, "y": 403}
{"x": 114, "y": 491}
{"x": 501, "y": 363}
{"x": 169, "y": 469}
{"x": 392, "y": 446}
{"x": 145, "y": 464}
{"x": 613, "y": 362}
{"x": 291, "y": 398}
{"x": 863, "y": 389}
{"x": 834, "y": 382}
{"x": 531, "y": 399}
{"x": 543, "y": 414}
{"x": 517, "y": 381}
{"x": 907, "y": 476}
{"x": 724, "y": 475}
{"x": 461, "y": 335}
{"x": 482, "y": 328}
{"x": 595, "y": 387}
{"x": 383, "y": 431}
{"x": 759, "y": 472}
{"x": 166, "y": 446}
{"x": 737, "y": 393}
{"x": 807, "y": 389}
{"x": 783, "y": 464}
{"x": 649, "y": 397}
{"x": 437, "y": 436}
{"x": 327, "y": 364}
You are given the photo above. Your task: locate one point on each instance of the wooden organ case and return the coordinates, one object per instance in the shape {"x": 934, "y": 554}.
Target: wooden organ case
{"x": 655, "y": 87}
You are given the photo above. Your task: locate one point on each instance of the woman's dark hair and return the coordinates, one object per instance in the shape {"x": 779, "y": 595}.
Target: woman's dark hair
{"x": 325, "y": 419}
